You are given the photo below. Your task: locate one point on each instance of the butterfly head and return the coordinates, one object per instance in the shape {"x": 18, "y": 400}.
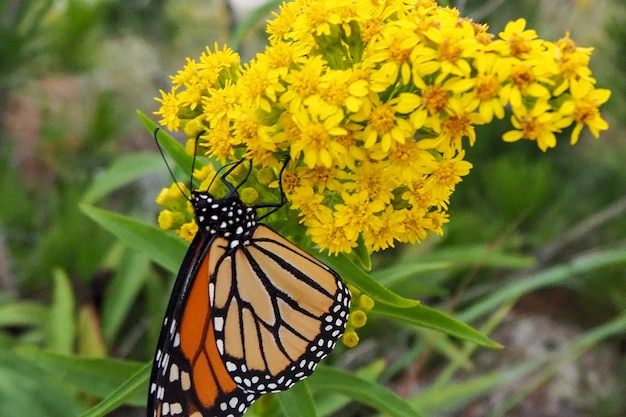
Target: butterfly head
{"x": 227, "y": 217}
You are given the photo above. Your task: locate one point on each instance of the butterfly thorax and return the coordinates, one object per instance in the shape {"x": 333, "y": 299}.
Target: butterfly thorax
{"x": 227, "y": 217}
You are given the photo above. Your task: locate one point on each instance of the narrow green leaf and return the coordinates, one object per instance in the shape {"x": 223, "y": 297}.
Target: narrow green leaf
{"x": 161, "y": 247}
{"x": 93, "y": 376}
{"x": 123, "y": 171}
{"x": 250, "y": 21}
{"x": 297, "y": 401}
{"x": 363, "y": 281}
{"x": 62, "y": 319}
{"x": 122, "y": 292}
{"x": 548, "y": 277}
{"x": 455, "y": 395}
{"x": 329, "y": 404}
{"x": 19, "y": 313}
{"x": 129, "y": 392}
{"x": 423, "y": 316}
{"x": 361, "y": 390}
{"x": 454, "y": 354}
{"x": 451, "y": 259}
{"x": 27, "y": 391}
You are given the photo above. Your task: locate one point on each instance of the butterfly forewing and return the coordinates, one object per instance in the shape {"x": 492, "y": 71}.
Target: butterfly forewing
{"x": 188, "y": 375}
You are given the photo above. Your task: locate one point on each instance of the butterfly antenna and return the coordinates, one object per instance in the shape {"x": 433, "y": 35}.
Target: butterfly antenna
{"x": 156, "y": 131}
{"x": 273, "y": 207}
{"x": 193, "y": 161}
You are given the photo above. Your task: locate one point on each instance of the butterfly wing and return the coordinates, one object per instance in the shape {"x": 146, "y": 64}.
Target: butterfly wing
{"x": 277, "y": 311}
{"x": 189, "y": 377}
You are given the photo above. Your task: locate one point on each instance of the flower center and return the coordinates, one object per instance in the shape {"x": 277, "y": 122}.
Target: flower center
{"x": 435, "y": 99}
{"x": 382, "y": 118}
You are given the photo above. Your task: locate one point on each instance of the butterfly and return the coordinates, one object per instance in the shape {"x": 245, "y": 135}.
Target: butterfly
{"x": 250, "y": 313}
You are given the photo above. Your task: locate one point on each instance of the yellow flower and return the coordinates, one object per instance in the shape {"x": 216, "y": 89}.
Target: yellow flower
{"x": 338, "y": 91}
{"x": 283, "y": 22}
{"x": 416, "y": 225}
{"x": 357, "y": 213}
{"x": 538, "y": 124}
{"x": 258, "y": 86}
{"x": 325, "y": 233}
{"x": 302, "y": 83}
{"x": 218, "y": 142}
{"x": 573, "y": 63}
{"x": 584, "y": 108}
{"x": 188, "y": 231}
{"x": 491, "y": 74}
{"x": 307, "y": 201}
{"x": 526, "y": 81}
{"x": 458, "y": 123}
{"x": 169, "y": 110}
{"x": 455, "y": 43}
{"x": 438, "y": 219}
{"x": 374, "y": 179}
{"x": 322, "y": 178}
{"x": 350, "y": 338}
{"x": 217, "y": 104}
{"x": 522, "y": 43}
{"x": 409, "y": 162}
{"x": 389, "y": 227}
{"x": 450, "y": 172}
{"x": 383, "y": 126}
{"x": 391, "y": 53}
{"x": 316, "y": 138}
{"x": 169, "y": 220}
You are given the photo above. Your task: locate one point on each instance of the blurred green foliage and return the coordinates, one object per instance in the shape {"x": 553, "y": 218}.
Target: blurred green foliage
{"x": 80, "y": 310}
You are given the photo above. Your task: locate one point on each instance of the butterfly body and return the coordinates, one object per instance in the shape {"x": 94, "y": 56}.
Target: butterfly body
{"x": 250, "y": 313}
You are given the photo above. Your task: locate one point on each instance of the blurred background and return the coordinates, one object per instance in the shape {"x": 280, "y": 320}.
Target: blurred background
{"x": 534, "y": 254}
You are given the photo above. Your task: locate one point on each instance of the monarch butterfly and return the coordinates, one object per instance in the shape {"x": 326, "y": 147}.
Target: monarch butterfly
{"x": 250, "y": 313}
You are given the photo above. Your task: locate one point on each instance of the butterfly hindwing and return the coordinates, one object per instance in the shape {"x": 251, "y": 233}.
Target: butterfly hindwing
{"x": 278, "y": 311}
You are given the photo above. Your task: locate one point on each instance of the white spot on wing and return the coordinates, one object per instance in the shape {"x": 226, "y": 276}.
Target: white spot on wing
{"x": 185, "y": 381}
{"x": 219, "y": 323}
{"x": 174, "y": 373}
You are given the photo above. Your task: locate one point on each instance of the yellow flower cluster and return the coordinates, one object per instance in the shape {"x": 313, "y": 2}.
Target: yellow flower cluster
{"x": 372, "y": 99}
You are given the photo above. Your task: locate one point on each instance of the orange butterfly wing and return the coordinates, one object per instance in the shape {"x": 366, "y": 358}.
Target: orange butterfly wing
{"x": 277, "y": 311}
{"x": 188, "y": 376}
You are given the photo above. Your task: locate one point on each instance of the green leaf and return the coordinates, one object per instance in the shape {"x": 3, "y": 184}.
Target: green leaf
{"x": 352, "y": 274}
{"x": 361, "y": 390}
{"x": 161, "y": 247}
{"x": 27, "y": 391}
{"x": 297, "y": 401}
{"x": 451, "y": 259}
{"x": 123, "y": 171}
{"x": 549, "y": 277}
{"x": 97, "y": 377}
{"x": 121, "y": 293}
{"x": 456, "y": 395}
{"x": 129, "y": 392}
{"x": 423, "y": 316}
{"x": 62, "y": 319}
{"x": 329, "y": 404}
{"x": 14, "y": 313}
{"x": 250, "y": 21}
